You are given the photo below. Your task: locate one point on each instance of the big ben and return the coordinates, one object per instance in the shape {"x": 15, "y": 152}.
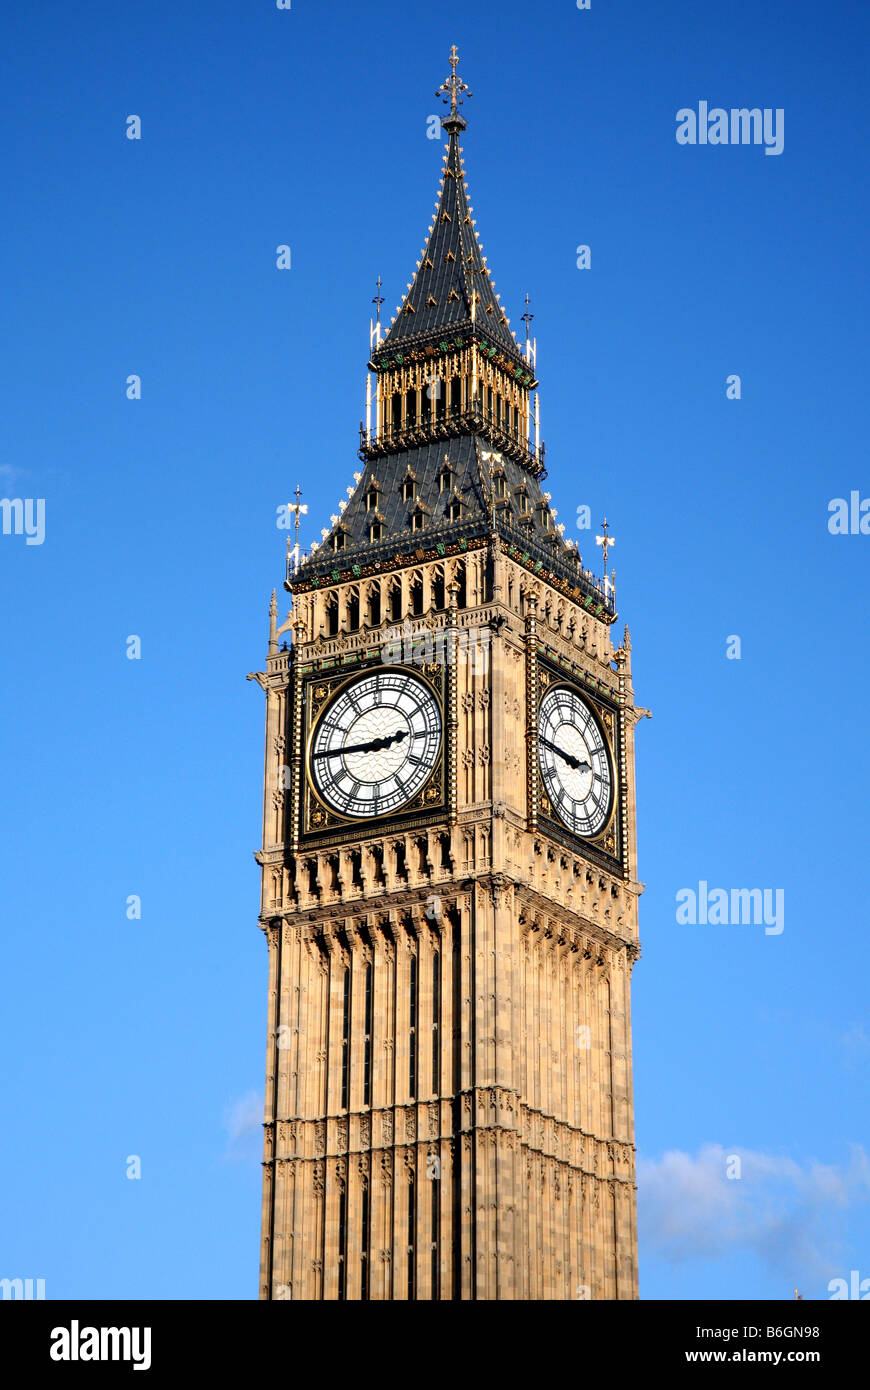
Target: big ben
{"x": 449, "y": 878}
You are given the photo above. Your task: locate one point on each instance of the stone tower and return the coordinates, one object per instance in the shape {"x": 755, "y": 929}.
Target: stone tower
{"x": 449, "y": 885}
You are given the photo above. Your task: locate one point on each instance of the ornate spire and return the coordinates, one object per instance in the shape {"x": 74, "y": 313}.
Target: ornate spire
{"x": 452, "y": 287}
{"x": 452, "y": 92}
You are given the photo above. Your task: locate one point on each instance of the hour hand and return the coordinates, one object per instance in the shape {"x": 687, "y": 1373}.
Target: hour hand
{"x": 569, "y": 758}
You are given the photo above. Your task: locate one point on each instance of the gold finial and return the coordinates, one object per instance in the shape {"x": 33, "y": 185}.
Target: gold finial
{"x": 453, "y": 89}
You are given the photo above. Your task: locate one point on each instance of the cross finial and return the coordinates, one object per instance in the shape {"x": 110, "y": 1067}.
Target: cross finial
{"x": 605, "y": 541}
{"x": 299, "y": 509}
{"x": 453, "y": 89}
{"x": 527, "y": 317}
{"x": 378, "y": 301}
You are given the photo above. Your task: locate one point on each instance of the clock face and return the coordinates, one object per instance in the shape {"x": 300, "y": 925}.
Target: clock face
{"x": 375, "y": 745}
{"x": 574, "y": 761}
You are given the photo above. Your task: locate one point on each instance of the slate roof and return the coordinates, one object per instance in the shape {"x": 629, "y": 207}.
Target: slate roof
{"x": 451, "y": 267}
{"x": 470, "y": 459}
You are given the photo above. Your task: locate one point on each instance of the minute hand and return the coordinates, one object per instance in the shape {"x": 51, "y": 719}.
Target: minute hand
{"x": 566, "y": 757}
{"x": 373, "y": 746}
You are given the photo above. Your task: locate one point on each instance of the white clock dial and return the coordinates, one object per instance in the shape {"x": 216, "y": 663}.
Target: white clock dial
{"x": 575, "y": 765}
{"x": 376, "y": 743}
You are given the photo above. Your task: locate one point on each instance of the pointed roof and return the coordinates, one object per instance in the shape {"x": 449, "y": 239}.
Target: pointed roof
{"x": 452, "y": 285}
{"x": 451, "y": 271}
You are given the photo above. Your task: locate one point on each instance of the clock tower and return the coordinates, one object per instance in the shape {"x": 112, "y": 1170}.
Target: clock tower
{"x": 449, "y": 884}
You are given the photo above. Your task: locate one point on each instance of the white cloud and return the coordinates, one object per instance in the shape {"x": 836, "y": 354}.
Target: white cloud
{"x": 244, "y": 1118}
{"x": 791, "y": 1215}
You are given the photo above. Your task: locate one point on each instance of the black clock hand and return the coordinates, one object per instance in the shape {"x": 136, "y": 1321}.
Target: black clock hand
{"x": 569, "y": 758}
{"x": 373, "y": 746}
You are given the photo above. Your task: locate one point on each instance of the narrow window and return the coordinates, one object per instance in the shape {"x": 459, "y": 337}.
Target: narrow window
{"x": 364, "y": 1242}
{"x": 417, "y": 597}
{"x": 338, "y": 541}
{"x": 367, "y": 1056}
{"x": 436, "y": 1224}
{"x": 445, "y": 480}
{"x": 455, "y": 396}
{"x": 332, "y": 617}
{"x": 418, "y": 521}
{"x": 459, "y": 580}
{"x": 438, "y": 589}
{"x": 410, "y": 408}
{"x": 376, "y": 531}
{"x": 409, "y": 490}
{"x": 345, "y": 1042}
{"x": 353, "y": 612}
{"x": 396, "y": 411}
{"x": 372, "y": 499}
{"x": 436, "y": 1012}
{"x": 342, "y": 1246}
{"x": 412, "y": 1042}
{"x": 375, "y": 602}
{"x": 454, "y": 511}
{"x": 412, "y": 1223}
{"x": 396, "y": 602}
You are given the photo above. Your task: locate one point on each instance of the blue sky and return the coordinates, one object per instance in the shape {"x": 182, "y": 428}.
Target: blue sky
{"x": 157, "y": 257}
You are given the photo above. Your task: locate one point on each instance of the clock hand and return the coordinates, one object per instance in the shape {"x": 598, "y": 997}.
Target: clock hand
{"x": 569, "y": 758}
{"x": 373, "y": 746}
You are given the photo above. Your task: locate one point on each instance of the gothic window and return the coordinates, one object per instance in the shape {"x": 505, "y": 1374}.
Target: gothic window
{"x": 364, "y": 1247}
{"x": 376, "y": 532}
{"x": 372, "y": 499}
{"x": 445, "y": 478}
{"x": 459, "y": 580}
{"x": 455, "y": 396}
{"x": 417, "y": 596}
{"x": 367, "y": 1055}
{"x": 438, "y": 596}
{"x": 375, "y": 600}
{"x": 418, "y": 521}
{"x": 396, "y": 601}
{"x": 342, "y": 1245}
{"x": 345, "y": 1040}
{"x": 332, "y": 616}
{"x": 412, "y": 1223}
{"x": 396, "y": 411}
{"x": 436, "y": 1012}
{"x": 412, "y": 1031}
{"x": 411, "y": 408}
{"x": 353, "y": 610}
{"x": 454, "y": 510}
{"x": 435, "y": 1264}
{"x": 409, "y": 490}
